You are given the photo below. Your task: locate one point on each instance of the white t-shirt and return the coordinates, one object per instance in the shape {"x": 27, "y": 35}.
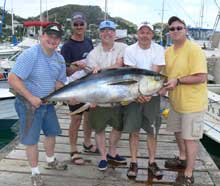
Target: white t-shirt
{"x": 144, "y": 58}
{"x": 104, "y": 59}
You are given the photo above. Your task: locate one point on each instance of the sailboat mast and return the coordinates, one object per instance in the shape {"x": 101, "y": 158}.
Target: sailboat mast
{"x": 41, "y": 16}
{"x": 201, "y": 13}
{"x": 12, "y": 19}
{"x": 3, "y": 17}
{"x": 162, "y": 15}
{"x": 106, "y": 10}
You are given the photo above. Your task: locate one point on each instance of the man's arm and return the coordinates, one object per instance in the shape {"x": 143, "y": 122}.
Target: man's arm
{"x": 157, "y": 68}
{"x": 190, "y": 79}
{"x": 75, "y": 66}
{"x": 59, "y": 85}
{"x": 17, "y": 84}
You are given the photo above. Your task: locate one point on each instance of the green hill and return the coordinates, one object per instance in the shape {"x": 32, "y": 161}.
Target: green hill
{"x": 93, "y": 14}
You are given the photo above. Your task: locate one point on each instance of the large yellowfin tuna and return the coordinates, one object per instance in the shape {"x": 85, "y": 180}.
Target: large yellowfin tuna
{"x": 110, "y": 87}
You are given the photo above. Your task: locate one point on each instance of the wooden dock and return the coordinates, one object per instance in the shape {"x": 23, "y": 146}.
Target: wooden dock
{"x": 14, "y": 169}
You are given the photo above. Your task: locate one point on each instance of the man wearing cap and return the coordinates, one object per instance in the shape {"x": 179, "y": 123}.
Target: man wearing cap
{"x": 74, "y": 52}
{"x": 39, "y": 71}
{"x": 145, "y": 113}
{"x": 108, "y": 54}
{"x": 186, "y": 70}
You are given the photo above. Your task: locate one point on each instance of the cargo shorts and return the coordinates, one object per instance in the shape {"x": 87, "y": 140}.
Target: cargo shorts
{"x": 100, "y": 117}
{"x": 145, "y": 116}
{"x": 189, "y": 124}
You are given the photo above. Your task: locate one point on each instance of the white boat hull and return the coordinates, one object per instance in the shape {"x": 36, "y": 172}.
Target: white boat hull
{"x": 212, "y": 115}
{"x": 7, "y": 109}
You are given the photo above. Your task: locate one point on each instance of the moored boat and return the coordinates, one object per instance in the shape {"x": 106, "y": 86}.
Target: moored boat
{"x": 212, "y": 115}
{"x": 8, "y": 115}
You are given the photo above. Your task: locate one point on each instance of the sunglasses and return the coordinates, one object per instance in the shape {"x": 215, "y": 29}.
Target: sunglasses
{"x": 78, "y": 24}
{"x": 178, "y": 28}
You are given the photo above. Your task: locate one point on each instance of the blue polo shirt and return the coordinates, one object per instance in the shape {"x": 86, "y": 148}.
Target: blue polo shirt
{"x": 40, "y": 71}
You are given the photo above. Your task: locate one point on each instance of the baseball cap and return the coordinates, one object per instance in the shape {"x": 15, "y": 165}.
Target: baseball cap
{"x": 174, "y": 18}
{"x": 145, "y": 24}
{"x": 53, "y": 28}
{"x": 78, "y": 17}
{"x": 107, "y": 24}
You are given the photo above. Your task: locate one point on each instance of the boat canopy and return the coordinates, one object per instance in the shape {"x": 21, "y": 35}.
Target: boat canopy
{"x": 36, "y": 23}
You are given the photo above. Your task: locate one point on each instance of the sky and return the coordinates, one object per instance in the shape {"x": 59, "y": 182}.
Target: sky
{"x": 135, "y": 11}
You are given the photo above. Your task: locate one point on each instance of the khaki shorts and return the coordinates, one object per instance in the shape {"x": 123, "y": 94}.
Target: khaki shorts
{"x": 189, "y": 124}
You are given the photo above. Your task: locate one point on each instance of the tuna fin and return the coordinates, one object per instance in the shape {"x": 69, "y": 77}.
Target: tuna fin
{"x": 81, "y": 109}
{"x": 124, "y": 82}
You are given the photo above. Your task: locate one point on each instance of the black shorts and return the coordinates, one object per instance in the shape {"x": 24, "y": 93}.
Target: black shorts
{"x": 72, "y": 108}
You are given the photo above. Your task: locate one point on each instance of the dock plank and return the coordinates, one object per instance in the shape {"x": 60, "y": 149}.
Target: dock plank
{"x": 14, "y": 164}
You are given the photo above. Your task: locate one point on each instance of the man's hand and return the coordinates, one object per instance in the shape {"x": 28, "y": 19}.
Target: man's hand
{"x": 92, "y": 105}
{"x": 162, "y": 91}
{"x": 81, "y": 64}
{"x": 96, "y": 69}
{"x": 171, "y": 84}
{"x": 35, "y": 101}
{"x": 143, "y": 99}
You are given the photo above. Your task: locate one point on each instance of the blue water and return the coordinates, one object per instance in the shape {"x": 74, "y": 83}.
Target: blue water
{"x": 6, "y": 132}
{"x": 213, "y": 149}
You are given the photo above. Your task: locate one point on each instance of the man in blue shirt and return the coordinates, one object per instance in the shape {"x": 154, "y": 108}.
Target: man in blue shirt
{"x": 37, "y": 72}
{"x": 75, "y": 51}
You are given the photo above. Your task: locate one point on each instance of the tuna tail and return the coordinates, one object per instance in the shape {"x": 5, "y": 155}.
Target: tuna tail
{"x": 81, "y": 109}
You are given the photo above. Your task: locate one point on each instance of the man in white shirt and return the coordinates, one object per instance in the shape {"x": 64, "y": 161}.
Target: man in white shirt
{"x": 108, "y": 54}
{"x": 145, "y": 114}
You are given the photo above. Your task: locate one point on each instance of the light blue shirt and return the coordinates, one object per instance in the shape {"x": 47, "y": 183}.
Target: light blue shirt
{"x": 40, "y": 71}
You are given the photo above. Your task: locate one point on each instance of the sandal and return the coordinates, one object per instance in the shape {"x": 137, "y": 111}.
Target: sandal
{"x": 75, "y": 160}
{"x": 133, "y": 170}
{"x": 88, "y": 149}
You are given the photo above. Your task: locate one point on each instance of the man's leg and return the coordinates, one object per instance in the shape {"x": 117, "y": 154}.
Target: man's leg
{"x": 49, "y": 145}
{"x": 181, "y": 146}
{"x": 100, "y": 139}
{"x": 152, "y": 165}
{"x": 52, "y": 162}
{"x": 151, "y": 145}
{"x": 114, "y": 137}
{"x": 133, "y": 143}
{"x": 191, "y": 153}
{"x": 73, "y": 136}
{"x": 32, "y": 155}
{"x": 87, "y": 133}
{"x": 73, "y": 131}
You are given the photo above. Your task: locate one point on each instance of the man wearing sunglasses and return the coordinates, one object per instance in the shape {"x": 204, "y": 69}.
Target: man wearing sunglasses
{"x": 186, "y": 69}
{"x": 74, "y": 52}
